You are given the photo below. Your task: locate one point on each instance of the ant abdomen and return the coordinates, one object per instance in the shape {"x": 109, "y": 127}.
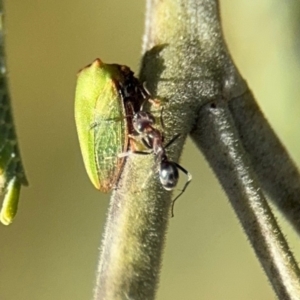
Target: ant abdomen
{"x": 168, "y": 174}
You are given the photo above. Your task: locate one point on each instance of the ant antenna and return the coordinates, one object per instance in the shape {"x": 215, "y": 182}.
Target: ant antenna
{"x": 146, "y": 89}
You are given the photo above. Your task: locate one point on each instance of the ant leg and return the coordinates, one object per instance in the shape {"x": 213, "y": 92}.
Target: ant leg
{"x": 154, "y": 102}
{"x": 172, "y": 140}
{"x": 97, "y": 123}
{"x": 189, "y": 179}
{"x": 161, "y": 118}
{"x": 142, "y": 105}
{"x": 146, "y": 89}
{"x": 130, "y": 152}
{"x": 134, "y": 137}
{"x": 140, "y": 142}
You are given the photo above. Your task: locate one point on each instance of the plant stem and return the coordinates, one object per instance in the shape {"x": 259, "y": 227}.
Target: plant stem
{"x": 276, "y": 171}
{"x": 137, "y": 221}
{"x": 186, "y": 64}
{"x": 233, "y": 168}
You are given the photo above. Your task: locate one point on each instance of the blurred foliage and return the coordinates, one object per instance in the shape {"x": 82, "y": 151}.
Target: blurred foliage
{"x": 51, "y": 249}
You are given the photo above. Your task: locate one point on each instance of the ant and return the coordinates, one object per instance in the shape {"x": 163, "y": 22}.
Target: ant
{"x": 143, "y": 123}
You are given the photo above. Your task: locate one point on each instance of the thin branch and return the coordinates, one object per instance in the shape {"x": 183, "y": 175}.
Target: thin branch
{"x": 219, "y": 141}
{"x": 277, "y": 173}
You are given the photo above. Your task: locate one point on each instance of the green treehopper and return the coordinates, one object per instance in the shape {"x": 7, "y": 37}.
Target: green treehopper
{"x": 107, "y": 96}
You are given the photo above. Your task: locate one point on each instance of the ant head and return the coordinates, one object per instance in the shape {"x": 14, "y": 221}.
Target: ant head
{"x": 168, "y": 174}
{"x": 142, "y": 120}
{"x": 128, "y": 89}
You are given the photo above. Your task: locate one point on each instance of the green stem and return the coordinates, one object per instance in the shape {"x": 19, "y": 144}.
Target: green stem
{"x": 233, "y": 168}
{"x": 276, "y": 171}
{"x": 138, "y": 218}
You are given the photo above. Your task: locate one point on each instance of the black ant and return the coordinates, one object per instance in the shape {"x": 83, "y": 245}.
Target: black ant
{"x": 153, "y": 139}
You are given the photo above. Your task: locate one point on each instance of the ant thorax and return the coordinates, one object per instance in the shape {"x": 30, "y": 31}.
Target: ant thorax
{"x": 155, "y": 140}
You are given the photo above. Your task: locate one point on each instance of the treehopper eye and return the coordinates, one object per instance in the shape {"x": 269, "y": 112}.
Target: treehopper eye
{"x": 106, "y": 98}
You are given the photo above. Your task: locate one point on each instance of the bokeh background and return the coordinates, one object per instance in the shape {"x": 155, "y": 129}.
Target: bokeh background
{"x": 51, "y": 250}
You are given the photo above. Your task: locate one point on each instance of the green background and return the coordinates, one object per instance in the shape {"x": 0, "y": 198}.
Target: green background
{"x": 50, "y": 251}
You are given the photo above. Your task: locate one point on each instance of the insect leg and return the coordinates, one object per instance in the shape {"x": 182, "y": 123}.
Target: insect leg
{"x": 161, "y": 118}
{"x": 172, "y": 140}
{"x": 97, "y": 123}
{"x": 189, "y": 179}
{"x": 130, "y": 152}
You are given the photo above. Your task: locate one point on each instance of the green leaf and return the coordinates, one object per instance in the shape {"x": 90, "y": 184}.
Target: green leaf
{"x": 10, "y": 202}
